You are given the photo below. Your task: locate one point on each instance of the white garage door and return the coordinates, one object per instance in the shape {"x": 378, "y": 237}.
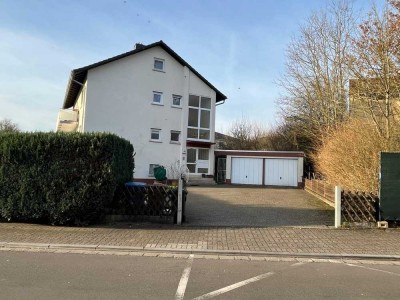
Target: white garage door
{"x": 247, "y": 170}
{"x": 282, "y": 172}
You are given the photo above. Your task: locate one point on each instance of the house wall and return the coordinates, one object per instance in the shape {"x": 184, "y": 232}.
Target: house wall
{"x": 119, "y": 100}
{"x": 198, "y": 87}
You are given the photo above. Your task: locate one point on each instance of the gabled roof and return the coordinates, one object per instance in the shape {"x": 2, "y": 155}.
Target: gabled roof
{"x": 79, "y": 75}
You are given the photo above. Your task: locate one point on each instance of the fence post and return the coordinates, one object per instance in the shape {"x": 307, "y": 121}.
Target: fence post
{"x": 338, "y": 208}
{"x": 179, "y": 213}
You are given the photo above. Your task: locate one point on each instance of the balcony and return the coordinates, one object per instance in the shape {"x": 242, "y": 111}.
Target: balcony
{"x": 67, "y": 120}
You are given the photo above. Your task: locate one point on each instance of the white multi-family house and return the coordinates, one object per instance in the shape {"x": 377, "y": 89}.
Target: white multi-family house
{"x": 151, "y": 97}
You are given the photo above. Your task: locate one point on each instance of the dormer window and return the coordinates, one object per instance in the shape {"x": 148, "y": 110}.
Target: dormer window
{"x": 158, "y": 64}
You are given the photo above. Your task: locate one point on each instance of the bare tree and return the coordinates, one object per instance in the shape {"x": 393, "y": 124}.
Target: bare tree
{"x": 246, "y": 135}
{"x": 375, "y": 66}
{"x": 315, "y": 99}
{"x": 6, "y": 125}
{"x": 287, "y": 136}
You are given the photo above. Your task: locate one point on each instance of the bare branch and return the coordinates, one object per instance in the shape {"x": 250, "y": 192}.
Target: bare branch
{"x": 6, "y": 125}
{"x": 316, "y": 73}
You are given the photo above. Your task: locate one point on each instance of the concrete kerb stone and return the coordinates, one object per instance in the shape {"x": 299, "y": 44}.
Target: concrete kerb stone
{"x": 221, "y": 254}
{"x": 27, "y": 245}
{"x": 72, "y": 246}
{"x": 118, "y": 248}
{"x": 275, "y": 258}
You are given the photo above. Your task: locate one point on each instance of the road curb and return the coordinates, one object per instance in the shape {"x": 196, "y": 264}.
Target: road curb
{"x": 113, "y": 248}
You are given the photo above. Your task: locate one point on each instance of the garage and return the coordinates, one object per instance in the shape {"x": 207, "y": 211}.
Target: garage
{"x": 247, "y": 170}
{"x": 281, "y": 172}
{"x": 271, "y": 168}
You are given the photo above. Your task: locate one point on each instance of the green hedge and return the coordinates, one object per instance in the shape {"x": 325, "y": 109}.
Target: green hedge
{"x": 61, "y": 178}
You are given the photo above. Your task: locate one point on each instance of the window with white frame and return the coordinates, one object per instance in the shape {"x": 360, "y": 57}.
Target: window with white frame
{"x": 155, "y": 135}
{"x": 158, "y": 64}
{"x": 199, "y": 122}
{"x": 176, "y": 101}
{"x": 157, "y": 98}
{"x": 175, "y": 136}
{"x": 151, "y": 169}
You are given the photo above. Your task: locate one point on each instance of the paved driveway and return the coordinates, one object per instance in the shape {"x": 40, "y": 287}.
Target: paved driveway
{"x": 255, "y": 207}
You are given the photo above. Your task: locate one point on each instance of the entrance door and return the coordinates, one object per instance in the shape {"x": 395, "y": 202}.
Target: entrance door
{"x": 198, "y": 160}
{"x": 281, "y": 172}
{"x": 221, "y": 169}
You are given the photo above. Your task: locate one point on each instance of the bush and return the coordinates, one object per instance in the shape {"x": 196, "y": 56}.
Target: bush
{"x": 61, "y": 178}
{"x": 349, "y": 156}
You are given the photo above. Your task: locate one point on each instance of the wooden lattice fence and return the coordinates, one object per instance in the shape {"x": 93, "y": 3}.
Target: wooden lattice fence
{"x": 155, "y": 200}
{"x": 359, "y": 207}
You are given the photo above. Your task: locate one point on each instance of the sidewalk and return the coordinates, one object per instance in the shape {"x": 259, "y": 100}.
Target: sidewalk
{"x": 286, "y": 241}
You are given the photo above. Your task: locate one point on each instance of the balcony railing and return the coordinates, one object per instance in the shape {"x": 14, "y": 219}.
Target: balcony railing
{"x": 67, "y": 120}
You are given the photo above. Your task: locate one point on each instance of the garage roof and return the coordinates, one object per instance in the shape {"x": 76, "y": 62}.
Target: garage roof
{"x": 260, "y": 153}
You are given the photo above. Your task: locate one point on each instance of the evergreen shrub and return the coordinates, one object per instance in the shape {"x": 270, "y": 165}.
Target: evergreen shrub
{"x": 61, "y": 178}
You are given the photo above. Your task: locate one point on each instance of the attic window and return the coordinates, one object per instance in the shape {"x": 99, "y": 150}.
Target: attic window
{"x": 158, "y": 64}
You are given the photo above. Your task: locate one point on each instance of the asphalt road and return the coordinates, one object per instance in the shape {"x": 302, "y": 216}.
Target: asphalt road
{"x": 29, "y": 275}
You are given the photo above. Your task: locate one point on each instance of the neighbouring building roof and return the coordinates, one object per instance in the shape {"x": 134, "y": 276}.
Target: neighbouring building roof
{"x": 221, "y": 140}
{"x": 80, "y": 74}
{"x": 221, "y": 136}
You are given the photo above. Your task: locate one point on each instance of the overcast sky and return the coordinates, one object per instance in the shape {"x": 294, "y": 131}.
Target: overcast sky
{"x": 239, "y": 46}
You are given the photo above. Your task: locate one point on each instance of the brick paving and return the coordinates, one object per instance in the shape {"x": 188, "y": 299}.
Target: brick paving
{"x": 286, "y": 240}
{"x": 245, "y": 206}
{"x": 280, "y": 221}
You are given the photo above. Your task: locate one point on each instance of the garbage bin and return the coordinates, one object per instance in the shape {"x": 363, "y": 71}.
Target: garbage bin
{"x": 137, "y": 195}
{"x": 135, "y": 184}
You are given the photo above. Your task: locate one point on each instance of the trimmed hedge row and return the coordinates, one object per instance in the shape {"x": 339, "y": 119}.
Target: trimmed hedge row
{"x": 61, "y": 178}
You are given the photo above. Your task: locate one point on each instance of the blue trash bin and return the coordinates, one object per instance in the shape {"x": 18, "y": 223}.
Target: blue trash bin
{"x": 135, "y": 184}
{"x": 137, "y": 194}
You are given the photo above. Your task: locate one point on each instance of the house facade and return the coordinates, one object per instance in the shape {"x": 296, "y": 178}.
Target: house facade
{"x": 375, "y": 96}
{"x": 153, "y": 98}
